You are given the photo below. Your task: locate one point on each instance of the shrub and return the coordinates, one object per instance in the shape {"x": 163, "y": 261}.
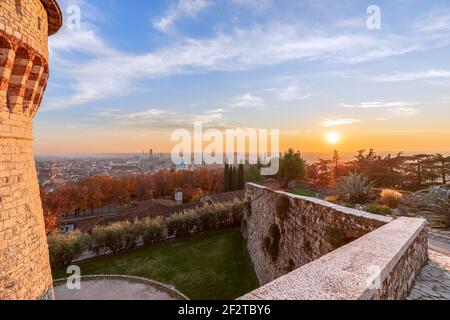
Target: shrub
{"x": 272, "y": 242}
{"x": 436, "y": 199}
{"x": 282, "y": 207}
{"x": 355, "y": 188}
{"x": 381, "y": 210}
{"x": 112, "y": 237}
{"x": 64, "y": 248}
{"x": 152, "y": 230}
{"x": 391, "y": 198}
{"x": 332, "y": 199}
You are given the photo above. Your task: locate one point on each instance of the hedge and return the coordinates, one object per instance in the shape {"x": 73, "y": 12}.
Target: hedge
{"x": 122, "y": 236}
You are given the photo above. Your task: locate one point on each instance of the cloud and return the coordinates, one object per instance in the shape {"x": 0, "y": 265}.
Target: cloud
{"x": 435, "y": 21}
{"x": 413, "y": 76}
{"x": 248, "y": 101}
{"x": 292, "y": 93}
{"x": 377, "y": 104}
{"x": 155, "y": 118}
{"x": 254, "y": 4}
{"x": 403, "y": 112}
{"x": 339, "y": 122}
{"x": 386, "y": 110}
{"x": 184, "y": 8}
{"x": 93, "y": 70}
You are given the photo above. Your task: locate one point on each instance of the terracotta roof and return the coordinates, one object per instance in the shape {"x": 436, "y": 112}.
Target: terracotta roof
{"x": 55, "y": 18}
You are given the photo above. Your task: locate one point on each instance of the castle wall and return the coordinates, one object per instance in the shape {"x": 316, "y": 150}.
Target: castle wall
{"x": 24, "y": 261}
{"x": 312, "y": 229}
{"x": 330, "y": 252}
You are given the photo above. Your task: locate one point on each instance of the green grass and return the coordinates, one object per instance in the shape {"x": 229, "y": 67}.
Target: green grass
{"x": 213, "y": 265}
{"x": 304, "y": 192}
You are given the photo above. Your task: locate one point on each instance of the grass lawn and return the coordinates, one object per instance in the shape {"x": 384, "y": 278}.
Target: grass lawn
{"x": 213, "y": 265}
{"x": 304, "y": 192}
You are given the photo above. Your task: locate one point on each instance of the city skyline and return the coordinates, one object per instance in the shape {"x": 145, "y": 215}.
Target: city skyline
{"x": 133, "y": 73}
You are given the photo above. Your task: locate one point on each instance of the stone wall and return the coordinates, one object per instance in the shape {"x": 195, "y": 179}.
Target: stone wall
{"x": 24, "y": 261}
{"x": 381, "y": 263}
{"x": 311, "y": 229}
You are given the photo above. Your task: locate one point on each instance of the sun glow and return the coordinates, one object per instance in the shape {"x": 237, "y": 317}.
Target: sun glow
{"x": 333, "y": 137}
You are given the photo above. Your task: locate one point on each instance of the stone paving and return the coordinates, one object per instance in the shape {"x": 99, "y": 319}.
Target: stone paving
{"x": 433, "y": 282}
{"x": 117, "y": 288}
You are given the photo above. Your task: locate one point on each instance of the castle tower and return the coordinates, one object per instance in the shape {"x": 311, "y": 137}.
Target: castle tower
{"x": 24, "y": 261}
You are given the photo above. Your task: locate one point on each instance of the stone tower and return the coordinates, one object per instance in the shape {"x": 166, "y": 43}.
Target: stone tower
{"x": 24, "y": 261}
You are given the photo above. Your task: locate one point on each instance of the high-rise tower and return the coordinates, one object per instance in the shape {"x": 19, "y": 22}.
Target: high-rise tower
{"x": 24, "y": 261}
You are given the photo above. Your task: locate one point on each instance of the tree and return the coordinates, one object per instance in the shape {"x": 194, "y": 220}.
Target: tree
{"x": 292, "y": 166}
{"x": 417, "y": 169}
{"x": 253, "y": 174}
{"x": 226, "y": 178}
{"x": 234, "y": 179}
{"x": 241, "y": 177}
{"x": 324, "y": 172}
{"x": 53, "y": 206}
{"x": 441, "y": 166}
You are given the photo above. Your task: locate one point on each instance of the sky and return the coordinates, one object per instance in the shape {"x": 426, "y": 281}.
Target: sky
{"x": 134, "y": 71}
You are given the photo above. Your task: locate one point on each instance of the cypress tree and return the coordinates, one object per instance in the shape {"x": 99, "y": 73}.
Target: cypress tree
{"x": 241, "y": 177}
{"x": 235, "y": 180}
{"x": 226, "y": 178}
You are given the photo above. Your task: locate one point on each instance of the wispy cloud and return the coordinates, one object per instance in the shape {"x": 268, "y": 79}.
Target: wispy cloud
{"x": 385, "y": 110}
{"x": 413, "y": 76}
{"x": 435, "y": 21}
{"x": 105, "y": 72}
{"x": 155, "y": 118}
{"x": 254, "y": 4}
{"x": 248, "y": 101}
{"x": 339, "y": 122}
{"x": 378, "y": 104}
{"x": 401, "y": 112}
{"x": 184, "y": 8}
{"x": 292, "y": 93}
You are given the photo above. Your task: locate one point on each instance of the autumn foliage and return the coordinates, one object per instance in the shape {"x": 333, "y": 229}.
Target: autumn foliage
{"x": 97, "y": 192}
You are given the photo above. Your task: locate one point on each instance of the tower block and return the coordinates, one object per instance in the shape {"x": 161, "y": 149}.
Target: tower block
{"x": 25, "y": 26}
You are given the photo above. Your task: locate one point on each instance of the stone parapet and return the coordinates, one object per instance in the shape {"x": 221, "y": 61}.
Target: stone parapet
{"x": 376, "y": 257}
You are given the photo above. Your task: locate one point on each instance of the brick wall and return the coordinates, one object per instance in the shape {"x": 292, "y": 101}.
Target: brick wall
{"x": 24, "y": 262}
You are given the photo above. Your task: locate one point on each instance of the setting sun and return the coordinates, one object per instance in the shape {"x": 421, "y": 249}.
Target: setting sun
{"x": 333, "y": 137}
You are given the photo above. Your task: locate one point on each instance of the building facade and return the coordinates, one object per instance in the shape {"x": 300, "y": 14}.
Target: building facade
{"x": 24, "y": 260}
